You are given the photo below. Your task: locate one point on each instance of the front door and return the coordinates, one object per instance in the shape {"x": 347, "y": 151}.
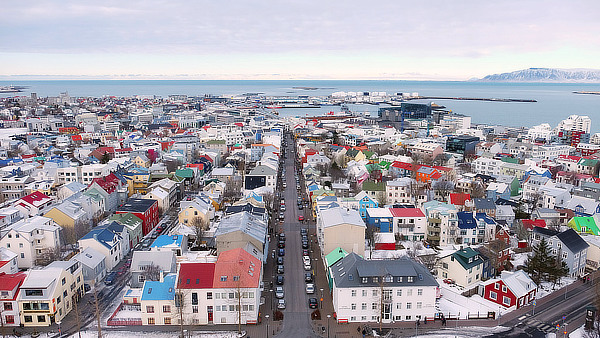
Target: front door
{"x": 209, "y": 309}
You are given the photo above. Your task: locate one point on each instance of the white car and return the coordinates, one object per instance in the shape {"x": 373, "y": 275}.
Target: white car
{"x": 310, "y": 288}
{"x": 279, "y": 292}
{"x": 307, "y": 265}
{"x": 306, "y": 259}
{"x": 281, "y": 304}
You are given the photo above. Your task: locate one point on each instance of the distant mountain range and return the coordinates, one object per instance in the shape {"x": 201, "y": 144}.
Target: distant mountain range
{"x": 546, "y": 75}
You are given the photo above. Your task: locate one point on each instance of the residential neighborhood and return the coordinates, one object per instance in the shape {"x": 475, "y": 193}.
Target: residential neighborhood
{"x": 213, "y": 212}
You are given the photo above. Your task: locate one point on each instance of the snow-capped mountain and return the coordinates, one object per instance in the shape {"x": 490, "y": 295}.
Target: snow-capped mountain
{"x": 546, "y": 75}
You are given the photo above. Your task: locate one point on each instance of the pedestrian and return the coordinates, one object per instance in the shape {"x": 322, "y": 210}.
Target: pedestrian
{"x": 418, "y": 321}
{"x": 425, "y": 320}
{"x": 358, "y": 329}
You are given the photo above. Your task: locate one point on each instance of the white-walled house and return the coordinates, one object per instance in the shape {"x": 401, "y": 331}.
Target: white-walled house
{"x": 405, "y": 289}
{"x": 30, "y": 238}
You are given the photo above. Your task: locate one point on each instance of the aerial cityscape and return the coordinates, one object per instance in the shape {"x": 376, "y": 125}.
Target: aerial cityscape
{"x": 301, "y": 169}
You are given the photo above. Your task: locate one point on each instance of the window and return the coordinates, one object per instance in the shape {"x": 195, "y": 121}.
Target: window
{"x": 399, "y": 293}
{"x": 497, "y": 286}
{"x": 58, "y": 300}
{"x": 34, "y": 293}
{"x": 141, "y": 278}
{"x": 195, "y": 298}
{"x": 231, "y": 308}
{"x": 364, "y": 293}
{"x": 149, "y": 309}
{"x": 408, "y": 306}
{"x": 400, "y": 279}
{"x": 231, "y": 295}
{"x": 28, "y": 319}
{"x": 223, "y": 278}
{"x": 9, "y": 319}
{"x": 353, "y": 306}
{"x": 364, "y": 279}
{"x": 503, "y": 288}
{"x": 151, "y": 321}
{"x": 419, "y": 305}
{"x": 64, "y": 280}
{"x": 375, "y": 279}
{"x": 409, "y": 292}
{"x": 410, "y": 279}
{"x": 363, "y": 306}
{"x": 419, "y": 292}
{"x": 388, "y": 279}
{"x": 41, "y": 319}
{"x": 373, "y": 306}
{"x": 168, "y": 321}
{"x": 167, "y": 308}
{"x": 505, "y": 300}
{"x": 194, "y": 309}
{"x": 209, "y": 295}
{"x": 374, "y": 293}
{"x": 8, "y": 306}
{"x": 398, "y": 306}
{"x": 353, "y": 293}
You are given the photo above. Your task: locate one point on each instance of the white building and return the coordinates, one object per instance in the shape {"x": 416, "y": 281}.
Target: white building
{"x": 30, "y": 238}
{"x": 360, "y": 288}
{"x": 576, "y": 123}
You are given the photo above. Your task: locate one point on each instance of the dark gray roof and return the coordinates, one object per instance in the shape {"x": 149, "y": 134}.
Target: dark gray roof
{"x": 349, "y": 271}
{"x": 484, "y": 204}
{"x": 572, "y": 240}
{"x": 545, "y": 231}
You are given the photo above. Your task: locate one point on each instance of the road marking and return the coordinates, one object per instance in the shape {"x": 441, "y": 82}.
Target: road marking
{"x": 522, "y": 317}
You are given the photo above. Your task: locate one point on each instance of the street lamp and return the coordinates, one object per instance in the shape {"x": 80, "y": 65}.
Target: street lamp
{"x": 321, "y": 298}
{"x": 328, "y": 316}
{"x": 59, "y": 331}
{"x": 267, "y": 318}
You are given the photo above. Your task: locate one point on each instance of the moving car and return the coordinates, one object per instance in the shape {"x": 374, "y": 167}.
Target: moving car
{"x": 300, "y": 218}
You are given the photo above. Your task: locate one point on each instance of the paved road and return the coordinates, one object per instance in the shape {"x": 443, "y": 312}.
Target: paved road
{"x": 296, "y": 321}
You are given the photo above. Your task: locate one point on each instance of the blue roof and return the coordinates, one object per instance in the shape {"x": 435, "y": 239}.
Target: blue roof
{"x": 160, "y": 291}
{"x": 102, "y": 235}
{"x": 313, "y": 187}
{"x": 166, "y": 240}
{"x": 485, "y": 217}
{"x": 466, "y": 220}
{"x": 114, "y": 226}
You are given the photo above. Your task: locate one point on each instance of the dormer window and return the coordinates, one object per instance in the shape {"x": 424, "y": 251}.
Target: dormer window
{"x": 375, "y": 279}
{"x": 364, "y": 280}
{"x": 410, "y": 279}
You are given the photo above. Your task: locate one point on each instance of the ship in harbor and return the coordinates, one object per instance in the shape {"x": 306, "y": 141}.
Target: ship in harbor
{"x": 11, "y": 89}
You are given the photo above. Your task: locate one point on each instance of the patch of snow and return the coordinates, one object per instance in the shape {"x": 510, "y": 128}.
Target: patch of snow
{"x": 547, "y": 288}
{"x": 519, "y": 258}
{"x": 120, "y": 334}
{"x": 464, "y": 332}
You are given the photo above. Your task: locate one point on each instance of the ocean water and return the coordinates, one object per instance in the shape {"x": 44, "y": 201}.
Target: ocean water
{"x": 556, "y": 101}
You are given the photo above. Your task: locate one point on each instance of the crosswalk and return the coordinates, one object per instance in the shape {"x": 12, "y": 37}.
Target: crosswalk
{"x": 546, "y": 328}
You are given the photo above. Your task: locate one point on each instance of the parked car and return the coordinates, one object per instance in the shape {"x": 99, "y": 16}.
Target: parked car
{"x": 307, "y": 266}
{"x": 281, "y": 304}
{"x": 300, "y": 207}
{"x": 279, "y": 292}
{"x": 280, "y": 268}
{"x": 281, "y": 252}
{"x": 110, "y": 279}
{"x": 279, "y": 260}
{"x": 310, "y": 288}
{"x": 305, "y": 252}
{"x": 281, "y": 244}
{"x": 304, "y": 231}
{"x": 312, "y": 303}
{"x": 282, "y": 236}
{"x": 308, "y": 277}
{"x": 304, "y": 244}
{"x": 279, "y": 280}
{"x": 300, "y": 218}
{"x": 282, "y": 207}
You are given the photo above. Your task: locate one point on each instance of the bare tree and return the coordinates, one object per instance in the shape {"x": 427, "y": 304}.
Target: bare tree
{"x": 493, "y": 251}
{"x": 336, "y": 173}
{"x": 179, "y": 304}
{"x": 48, "y": 256}
{"x": 533, "y": 201}
{"x": 371, "y": 234}
{"x": 151, "y": 272}
{"x": 443, "y": 188}
{"x": 269, "y": 199}
{"x": 233, "y": 189}
{"x": 199, "y": 226}
{"x": 477, "y": 189}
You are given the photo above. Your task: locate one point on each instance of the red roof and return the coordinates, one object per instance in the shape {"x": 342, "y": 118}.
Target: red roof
{"x": 406, "y": 212}
{"x": 459, "y": 199}
{"x": 196, "y": 275}
{"x": 122, "y": 150}
{"x": 109, "y": 183}
{"x": 236, "y": 268}
{"x": 12, "y": 281}
{"x": 530, "y": 223}
{"x": 404, "y": 165}
{"x": 569, "y": 157}
{"x": 239, "y": 124}
{"x": 76, "y": 137}
{"x": 36, "y": 198}
{"x": 440, "y": 168}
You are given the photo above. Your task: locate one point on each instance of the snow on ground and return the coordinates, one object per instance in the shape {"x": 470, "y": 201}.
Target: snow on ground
{"x": 453, "y": 303}
{"x": 6, "y": 133}
{"x": 519, "y": 258}
{"x": 547, "y": 288}
{"x": 393, "y": 254}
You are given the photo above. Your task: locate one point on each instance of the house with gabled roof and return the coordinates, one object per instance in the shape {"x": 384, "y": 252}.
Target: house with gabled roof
{"x": 93, "y": 265}
{"x": 341, "y": 227}
{"x": 465, "y": 267}
{"x": 158, "y": 301}
{"x": 567, "y": 245}
{"x": 398, "y": 290}
{"x": 195, "y": 282}
{"x": 30, "y": 238}
{"x": 584, "y": 225}
{"x": 9, "y": 291}
{"x": 512, "y": 290}
{"x": 164, "y": 261}
{"x": 33, "y": 204}
{"x": 106, "y": 242}
{"x": 237, "y": 230}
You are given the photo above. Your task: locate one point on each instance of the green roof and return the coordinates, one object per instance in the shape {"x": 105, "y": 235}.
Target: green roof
{"x": 384, "y": 164}
{"x": 463, "y": 256}
{"x": 126, "y": 219}
{"x": 373, "y": 167}
{"x": 215, "y": 142}
{"x": 335, "y": 255}
{"x": 373, "y": 186}
{"x": 185, "y": 173}
{"x": 510, "y": 160}
{"x": 368, "y": 154}
{"x": 584, "y": 224}
{"x": 587, "y": 162}
{"x": 352, "y": 152}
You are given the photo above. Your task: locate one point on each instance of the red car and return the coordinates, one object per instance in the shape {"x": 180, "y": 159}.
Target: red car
{"x": 300, "y": 218}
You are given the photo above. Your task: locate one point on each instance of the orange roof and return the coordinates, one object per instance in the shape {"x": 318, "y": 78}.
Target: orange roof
{"x": 236, "y": 268}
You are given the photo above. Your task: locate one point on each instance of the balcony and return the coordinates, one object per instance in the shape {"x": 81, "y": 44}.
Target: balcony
{"x": 434, "y": 220}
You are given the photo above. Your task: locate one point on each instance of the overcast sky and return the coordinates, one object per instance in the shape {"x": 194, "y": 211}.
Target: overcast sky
{"x": 282, "y": 39}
